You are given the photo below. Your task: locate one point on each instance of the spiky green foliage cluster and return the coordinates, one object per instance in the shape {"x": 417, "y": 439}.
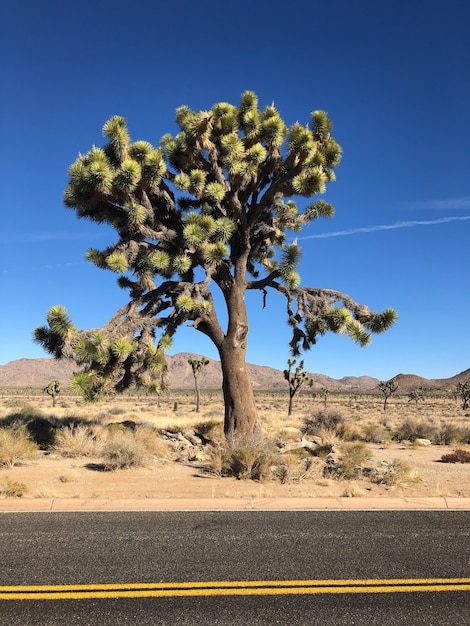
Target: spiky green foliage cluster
{"x": 211, "y": 206}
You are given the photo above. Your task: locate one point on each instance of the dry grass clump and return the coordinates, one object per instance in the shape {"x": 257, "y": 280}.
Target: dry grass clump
{"x": 123, "y": 451}
{"x": 152, "y": 441}
{"x": 354, "y": 491}
{"x": 350, "y": 464}
{"x": 296, "y": 467}
{"x": 16, "y": 446}
{"x": 10, "y": 488}
{"x": 247, "y": 461}
{"x": 329, "y": 419}
{"x": 393, "y": 474}
{"x": 412, "y": 429}
{"x": 76, "y": 441}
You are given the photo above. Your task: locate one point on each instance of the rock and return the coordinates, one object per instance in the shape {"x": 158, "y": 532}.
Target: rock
{"x": 422, "y": 442}
{"x": 291, "y": 434}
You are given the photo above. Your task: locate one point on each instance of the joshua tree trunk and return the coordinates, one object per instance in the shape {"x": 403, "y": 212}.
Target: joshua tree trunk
{"x": 240, "y": 410}
{"x": 196, "y": 388}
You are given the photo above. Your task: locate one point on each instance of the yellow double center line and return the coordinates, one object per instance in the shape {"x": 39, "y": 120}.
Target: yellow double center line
{"x": 232, "y": 588}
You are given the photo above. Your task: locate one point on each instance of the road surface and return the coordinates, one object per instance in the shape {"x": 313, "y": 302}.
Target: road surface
{"x": 230, "y": 568}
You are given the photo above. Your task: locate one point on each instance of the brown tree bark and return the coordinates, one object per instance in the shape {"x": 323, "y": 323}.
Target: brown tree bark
{"x": 241, "y": 418}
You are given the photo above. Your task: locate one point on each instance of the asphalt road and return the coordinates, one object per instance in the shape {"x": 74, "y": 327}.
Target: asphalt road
{"x": 146, "y": 551}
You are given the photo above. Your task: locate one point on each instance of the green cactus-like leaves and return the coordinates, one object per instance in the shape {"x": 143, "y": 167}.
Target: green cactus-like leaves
{"x": 136, "y": 214}
{"x": 128, "y": 176}
{"x": 194, "y": 234}
{"x": 358, "y": 333}
{"x": 214, "y": 192}
{"x": 338, "y": 320}
{"x": 214, "y": 252}
{"x": 122, "y": 347}
{"x": 380, "y": 322}
{"x": 160, "y": 260}
{"x": 140, "y": 151}
{"x": 182, "y": 263}
{"x": 224, "y": 228}
{"x": 321, "y": 125}
{"x": 117, "y": 262}
{"x": 99, "y": 177}
{"x": 197, "y": 181}
{"x": 184, "y": 303}
{"x": 310, "y": 182}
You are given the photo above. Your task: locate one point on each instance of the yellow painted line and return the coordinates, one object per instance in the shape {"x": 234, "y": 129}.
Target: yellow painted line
{"x": 232, "y": 588}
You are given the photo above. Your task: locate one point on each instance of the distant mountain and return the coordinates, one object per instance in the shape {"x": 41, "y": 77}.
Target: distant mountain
{"x": 39, "y": 372}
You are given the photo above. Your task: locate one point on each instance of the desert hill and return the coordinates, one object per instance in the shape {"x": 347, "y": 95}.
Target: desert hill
{"x": 39, "y": 372}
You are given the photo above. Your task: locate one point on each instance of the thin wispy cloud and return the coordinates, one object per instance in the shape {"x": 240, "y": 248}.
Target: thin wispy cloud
{"x": 396, "y": 225}
{"x": 450, "y": 204}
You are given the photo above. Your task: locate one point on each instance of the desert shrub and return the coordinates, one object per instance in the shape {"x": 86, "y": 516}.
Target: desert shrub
{"x": 392, "y": 474}
{"x": 349, "y": 466}
{"x": 15, "y": 446}
{"x": 211, "y": 430}
{"x": 123, "y": 451}
{"x": 411, "y": 429}
{"x": 324, "y": 419}
{"x": 247, "y": 461}
{"x": 152, "y": 441}
{"x": 457, "y": 456}
{"x": 451, "y": 434}
{"x": 376, "y": 433}
{"x": 74, "y": 441}
{"x": 10, "y": 488}
{"x": 354, "y": 491}
{"x": 294, "y": 466}
{"x": 350, "y": 432}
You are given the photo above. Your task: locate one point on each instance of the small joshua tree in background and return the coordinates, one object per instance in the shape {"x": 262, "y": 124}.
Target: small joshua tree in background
{"x": 416, "y": 395}
{"x": 53, "y": 389}
{"x": 197, "y": 365}
{"x": 295, "y": 379}
{"x": 387, "y": 388}
{"x": 324, "y": 392}
{"x": 463, "y": 389}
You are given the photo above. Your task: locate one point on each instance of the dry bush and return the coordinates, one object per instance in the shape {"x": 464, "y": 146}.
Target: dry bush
{"x": 457, "y": 456}
{"x": 152, "y": 441}
{"x": 412, "y": 429}
{"x": 75, "y": 441}
{"x": 392, "y": 474}
{"x": 296, "y": 466}
{"x": 452, "y": 433}
{"x": 10, "y": 488}
{"x": 349, "y": 466}
{"x": 16, "y": 446}
{"x": 350, "y": 432}
{"x": 247, "y": 460}
{"x": 354, "y": 491}
{"x": 123, "y": 451}
{"x": 330, "y": 419}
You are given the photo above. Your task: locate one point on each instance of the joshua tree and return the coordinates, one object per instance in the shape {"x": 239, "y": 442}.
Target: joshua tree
{"x": 416, "y": 395}
{"x": 53, "y": 389}
{"x": 197, "y": 365}
{"x": 387, "y": 388}
{"x": 295, "y": 379}
{"x": 324, "y": 392}
{"x": 210, "y": 209}
{"x": 463, "y": 389}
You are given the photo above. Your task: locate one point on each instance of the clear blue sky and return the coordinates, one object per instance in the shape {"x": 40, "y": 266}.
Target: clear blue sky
{"x": 394, "y": 78}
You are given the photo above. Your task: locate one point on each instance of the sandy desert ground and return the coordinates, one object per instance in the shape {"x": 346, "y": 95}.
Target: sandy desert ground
{"x": 169, "y": 473}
